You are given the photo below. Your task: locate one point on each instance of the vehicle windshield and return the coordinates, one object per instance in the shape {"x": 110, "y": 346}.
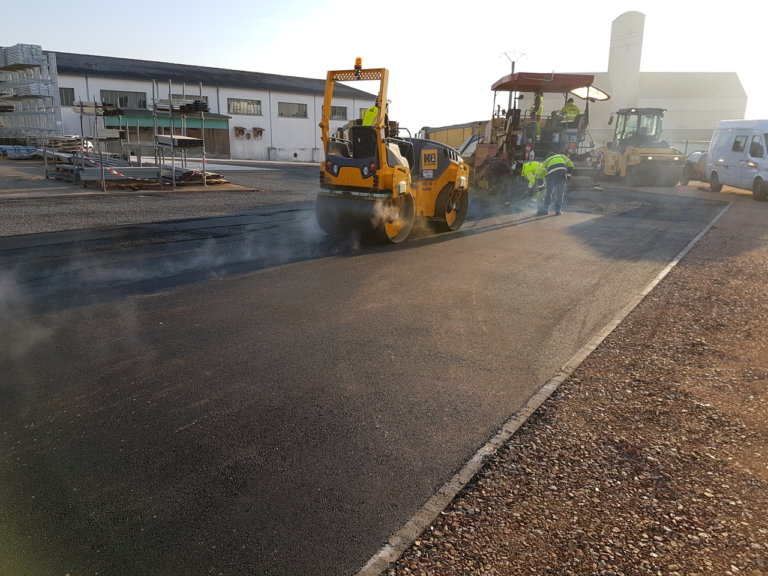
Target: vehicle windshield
{"x": 638, "y": 126}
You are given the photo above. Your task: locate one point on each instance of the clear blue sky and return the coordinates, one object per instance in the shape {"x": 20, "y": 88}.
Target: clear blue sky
{"x": 442, "y": 57}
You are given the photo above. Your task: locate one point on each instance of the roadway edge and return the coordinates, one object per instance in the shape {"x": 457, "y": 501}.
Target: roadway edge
{"x": 401, "y": 540}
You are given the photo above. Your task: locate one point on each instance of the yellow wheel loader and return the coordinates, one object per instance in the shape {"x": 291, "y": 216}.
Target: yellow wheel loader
{"x": 637, "y": 155}
{"x": 374, "y": 183}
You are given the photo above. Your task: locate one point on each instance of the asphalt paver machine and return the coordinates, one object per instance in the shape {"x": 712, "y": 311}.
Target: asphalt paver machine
{"x": 524, "y": 131}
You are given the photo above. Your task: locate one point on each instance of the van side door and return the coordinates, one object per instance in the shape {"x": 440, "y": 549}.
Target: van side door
{"x": 731, "y": 163}
{"x": 753, "y": 163}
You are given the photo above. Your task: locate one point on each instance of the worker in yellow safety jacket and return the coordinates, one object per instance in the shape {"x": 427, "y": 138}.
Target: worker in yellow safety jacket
{"x": 556, "y": 169}
{"x": 536, "y": 110}
{"x": 369, "y": 116}
{"x": 537, "y": 106}
{"x": 530, "y": 172}
{"x": 569, "y": 111}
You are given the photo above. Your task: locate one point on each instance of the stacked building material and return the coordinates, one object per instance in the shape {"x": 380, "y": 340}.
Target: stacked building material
{"x": 22, "y": 55}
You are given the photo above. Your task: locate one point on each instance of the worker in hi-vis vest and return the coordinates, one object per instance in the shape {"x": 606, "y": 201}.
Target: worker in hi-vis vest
{"x": 536, "y": 110}
{"x": 555, "y": 169}
{"x": 530, "y": 172}
{"x": 369, "y": 116}
{"x": 569, "y": 111}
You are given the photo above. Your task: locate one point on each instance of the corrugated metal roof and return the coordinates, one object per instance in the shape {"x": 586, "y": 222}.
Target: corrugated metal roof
{"x": 129, "y": 69}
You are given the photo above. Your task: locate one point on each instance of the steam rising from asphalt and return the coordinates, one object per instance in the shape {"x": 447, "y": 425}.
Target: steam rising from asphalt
{"x": 253, "y": 248}
{"x": 33, "y": 287}
{"x": 18, "y": 332}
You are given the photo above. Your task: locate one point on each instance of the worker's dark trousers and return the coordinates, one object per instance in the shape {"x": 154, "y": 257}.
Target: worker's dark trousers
{"x": 555, "y": 191}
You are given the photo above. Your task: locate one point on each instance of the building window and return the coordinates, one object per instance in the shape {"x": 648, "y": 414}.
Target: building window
{"x": 124, "y": 99}
{"x": 291, "y": 110}
{"x": 67, "y": 96}
{"x": 244, "y": 106}
{"x": 338, "y": 112}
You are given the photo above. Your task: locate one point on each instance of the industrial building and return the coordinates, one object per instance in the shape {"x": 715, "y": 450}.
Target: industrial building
{"x": 126, "y": 103}
{"x": 695, "y": 101}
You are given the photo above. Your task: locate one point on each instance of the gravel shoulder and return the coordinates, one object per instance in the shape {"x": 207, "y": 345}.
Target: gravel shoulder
{"x": 650, "y": 458}
{"x": 30, "y": 203}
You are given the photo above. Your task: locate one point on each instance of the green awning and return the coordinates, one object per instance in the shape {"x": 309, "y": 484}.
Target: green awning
{"x": 145, "y": 121}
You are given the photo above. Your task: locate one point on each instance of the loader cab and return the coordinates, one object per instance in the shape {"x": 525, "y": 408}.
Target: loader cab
{"x": 362, "y": 141}
{"x": 638, "y": 127}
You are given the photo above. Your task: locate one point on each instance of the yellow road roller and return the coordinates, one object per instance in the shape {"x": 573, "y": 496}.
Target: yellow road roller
{"x": 374, "y": 183}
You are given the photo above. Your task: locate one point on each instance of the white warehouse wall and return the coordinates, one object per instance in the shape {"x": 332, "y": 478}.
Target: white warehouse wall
{"x": 89, "y": 89}
{"x": 275, "y": 138}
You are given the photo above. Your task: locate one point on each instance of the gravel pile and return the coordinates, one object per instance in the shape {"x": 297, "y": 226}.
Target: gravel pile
{"x": 652, "y": 458}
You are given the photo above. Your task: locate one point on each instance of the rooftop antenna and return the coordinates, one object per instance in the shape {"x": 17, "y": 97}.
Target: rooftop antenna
{"x": 518, "y": 56}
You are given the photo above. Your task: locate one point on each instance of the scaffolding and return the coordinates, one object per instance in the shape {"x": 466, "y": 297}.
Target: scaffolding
{"x": 180, "y": 107}
{"x": 30, "y": 108}
{"x": 31, "y": 126}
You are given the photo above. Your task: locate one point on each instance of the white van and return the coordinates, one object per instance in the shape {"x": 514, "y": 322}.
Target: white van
{"x": 738, "y": 156}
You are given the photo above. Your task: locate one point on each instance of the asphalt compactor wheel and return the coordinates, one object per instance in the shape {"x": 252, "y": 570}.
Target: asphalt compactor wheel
{"x": 370, "y": 219}
{"x": 451, "y": 210}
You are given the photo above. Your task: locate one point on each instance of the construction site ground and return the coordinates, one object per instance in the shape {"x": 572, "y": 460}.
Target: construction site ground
{"x": 651, "y": 458}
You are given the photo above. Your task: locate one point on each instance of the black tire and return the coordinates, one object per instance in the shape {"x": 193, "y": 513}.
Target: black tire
{"x": 760, "y": 190}
{"x": 633, "y": 176}
{"x": 685, "y": 177}
{"x": 714, "y": 183}
{"x": 670, "y": 177}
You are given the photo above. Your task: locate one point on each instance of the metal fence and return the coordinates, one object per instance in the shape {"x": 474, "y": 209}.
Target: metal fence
{"x": 688, "y": 146}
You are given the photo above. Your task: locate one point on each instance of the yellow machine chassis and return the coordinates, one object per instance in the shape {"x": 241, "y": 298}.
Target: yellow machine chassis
{"x": 383, "y": 199}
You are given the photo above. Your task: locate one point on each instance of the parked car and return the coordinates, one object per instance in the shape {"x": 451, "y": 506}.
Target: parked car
{"x": 695, "y": 167}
